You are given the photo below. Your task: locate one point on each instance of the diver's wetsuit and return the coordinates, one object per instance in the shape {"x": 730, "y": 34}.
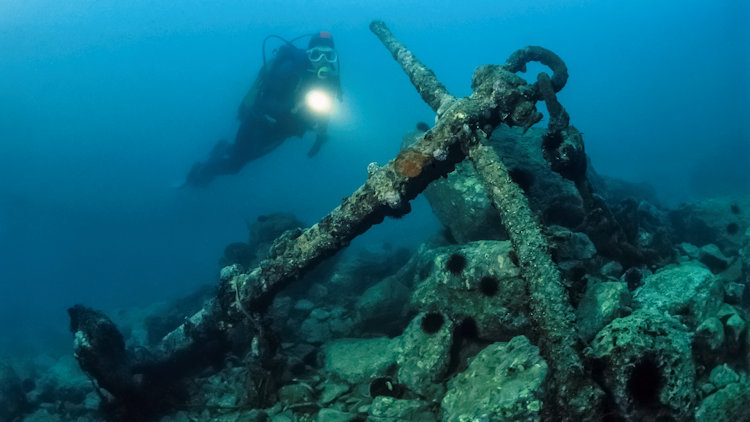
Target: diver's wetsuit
{"x": 267, "y": 115}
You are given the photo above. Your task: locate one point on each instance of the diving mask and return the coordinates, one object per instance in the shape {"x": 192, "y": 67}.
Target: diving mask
{"x": 317, "y": 54}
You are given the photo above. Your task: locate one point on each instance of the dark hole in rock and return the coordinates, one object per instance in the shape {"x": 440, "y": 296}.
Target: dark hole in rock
{"x": 432, "y": 322}
{"x": 467, "y": 329}
{"x": 385, "y": 387}
{"x": 597, "y": 369}
{"x": 577, "y": 274}
{"x": 311, "y": 358}
{"x": 488, "y": 285}
{"x": 297, "y": 368}
{"x": 633, "y": 277}
{"x": 28, "y": 384}
{"x": 645, "y": 384}
{"x": 514, "y": 258}
{"x": 466, "y": 344}
{"x": 611, "y": 415}
{"x": 456, "y": 264}
{"x": 524, "y": 179}
{"x": 733, "y": 228}
{"x": 735, "y": 208}
{"x": 682, "y": 311}
{"x": 577, "y": 281}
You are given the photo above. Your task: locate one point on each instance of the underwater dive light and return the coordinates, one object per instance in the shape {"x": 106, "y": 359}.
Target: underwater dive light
{"x": 319, "y": 101}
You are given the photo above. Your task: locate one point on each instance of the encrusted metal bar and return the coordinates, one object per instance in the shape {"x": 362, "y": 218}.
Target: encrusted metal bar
{"x": 548, "y": 300}
{"x": 429, "y": 87}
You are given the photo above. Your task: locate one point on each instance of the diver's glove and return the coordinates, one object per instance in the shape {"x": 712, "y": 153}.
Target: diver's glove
{"x": 320, "y": 139}
{"x": 197, "y": 176}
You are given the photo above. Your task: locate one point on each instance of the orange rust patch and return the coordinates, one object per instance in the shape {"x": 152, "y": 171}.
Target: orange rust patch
{"x": 409, "y": 162}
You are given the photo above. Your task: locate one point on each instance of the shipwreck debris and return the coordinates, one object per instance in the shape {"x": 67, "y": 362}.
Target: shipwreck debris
{"x": 463, "y": 124}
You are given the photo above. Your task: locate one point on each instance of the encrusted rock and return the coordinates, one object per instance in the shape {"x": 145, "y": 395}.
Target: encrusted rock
{"x": 318, "y": 292}
{"x": 734, "y": 323}
{"x": 735, "y": 327}
{"x": 733, "y": 292}
{"x": 333, "y": 415}
{"x": 423, "y": 353}
{"x": 296, "y": 394}
{"x": 477, "y": 282}
{"x": 689, "y": 251}
{"x": 729, "y": 404}
{"x": 304, "y": 305}
{"x": 570, "y": 245}
{"x": 42, "y": 415}
{"x": 553, "y": 197}
{"x": 721, "y": 221}
{"x": 612, "y": 269}
{"x": 355, "y": 272}
{"x": 601, "y": 303}
{"x": 322, "y": 325}
{"x": 723, "y": 375}
{"x": 711, "y": 256}
{"x": 287, "y": 416}
{"x": 709, "y": 335}
{"x": 229, "y": 271}
{"x": 502, "y": 383}
{"x": 647, "y": 365}
{"x": 460, "y": 202}
{"x": 389, "y": 409}
{"x": 647, "y": 227}
{"x": 725, "y": 312}
{"x": 332, "y": 390}
{"x": 382, "y": 307}
{"x": 360, "y": 360}
{"x": 686, "y": 290}
{"x": 315, "y": 331}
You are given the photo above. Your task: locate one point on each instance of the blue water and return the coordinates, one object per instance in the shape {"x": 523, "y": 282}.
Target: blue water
{"x": 104, "y": 105}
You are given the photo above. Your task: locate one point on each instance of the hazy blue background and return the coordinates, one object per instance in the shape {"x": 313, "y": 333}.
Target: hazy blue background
{"x": 105, "y": 104}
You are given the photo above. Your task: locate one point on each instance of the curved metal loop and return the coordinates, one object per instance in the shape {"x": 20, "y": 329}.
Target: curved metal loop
{"x": 517, "y": 63}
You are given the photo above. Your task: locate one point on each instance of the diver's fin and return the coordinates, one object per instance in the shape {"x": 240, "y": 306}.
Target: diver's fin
{"x": 220, "y": 148}
{"x": 192, "y": 177}
{"x": 179, "y": 185}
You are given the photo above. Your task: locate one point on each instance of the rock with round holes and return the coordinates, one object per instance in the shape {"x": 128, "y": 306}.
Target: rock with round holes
{"x": 502, "y": 383}
{"x": 423, "y": 353}
{"x": 477, "y": 283}
{"x": 645, "y": 361}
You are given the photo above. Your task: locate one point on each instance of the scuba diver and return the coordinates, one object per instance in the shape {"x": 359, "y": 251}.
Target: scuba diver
{"x": 292, "y": 94}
